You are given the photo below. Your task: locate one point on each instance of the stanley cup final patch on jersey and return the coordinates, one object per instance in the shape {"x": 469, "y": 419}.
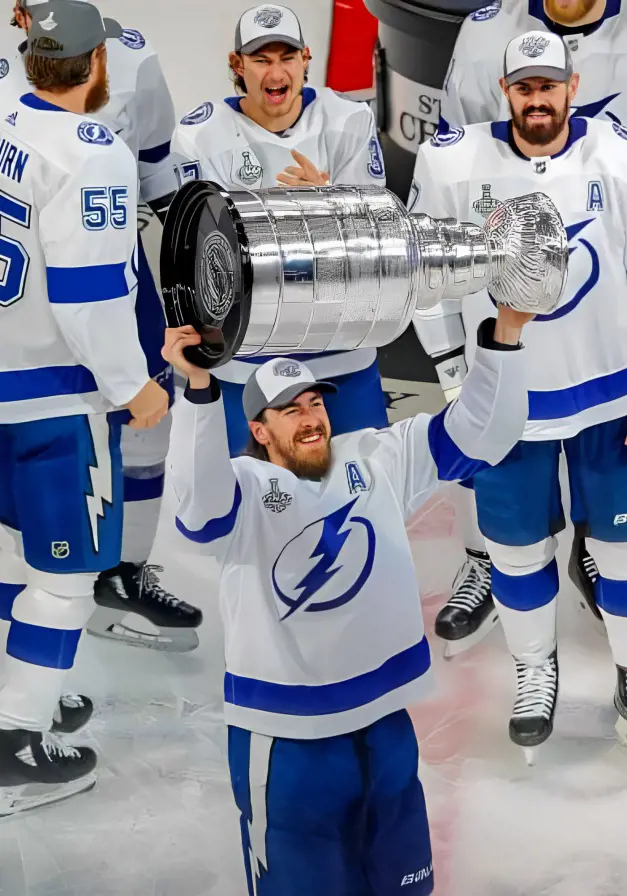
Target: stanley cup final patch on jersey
{"x": 486, "y": 203}
{"x": 246, "y": 168}
{"x": 133, "y": 39}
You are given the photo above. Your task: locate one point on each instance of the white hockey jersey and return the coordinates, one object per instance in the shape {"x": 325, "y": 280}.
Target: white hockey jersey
{"x": 339, "y": 136}
{"x": 577, "y": 356}
{"x": 68, "y": 336}
{"x": 318, "y": 591}
{"x": 140, "y": 109}
{"x": 472, "y": 93}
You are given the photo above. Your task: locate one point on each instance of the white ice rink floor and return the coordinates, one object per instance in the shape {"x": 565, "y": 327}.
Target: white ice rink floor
{"x": 161, "y": 823}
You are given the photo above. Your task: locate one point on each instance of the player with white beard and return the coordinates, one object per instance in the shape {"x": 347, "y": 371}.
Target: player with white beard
{"x": 141, "y": 112}
{"x": 279, "y": 129}
{"x": 576, "y": 361}
{"x": 69, "y": 357}
{"x": 325, "y": 643}
{"x": 595, "y": 32}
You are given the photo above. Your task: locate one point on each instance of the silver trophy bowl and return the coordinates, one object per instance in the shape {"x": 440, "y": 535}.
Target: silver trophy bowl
{"x": 334, "y": 268}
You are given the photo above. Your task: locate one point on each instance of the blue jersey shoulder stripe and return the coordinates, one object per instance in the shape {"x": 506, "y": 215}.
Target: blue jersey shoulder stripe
{"x": 97, "y": 283}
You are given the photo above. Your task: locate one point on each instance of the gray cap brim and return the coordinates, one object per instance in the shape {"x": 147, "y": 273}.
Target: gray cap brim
{"x": 537, "y": 71}
{"x": 254, "y": 45}
{"x": 113, "y": 29}
{"x": 255, "y": 402}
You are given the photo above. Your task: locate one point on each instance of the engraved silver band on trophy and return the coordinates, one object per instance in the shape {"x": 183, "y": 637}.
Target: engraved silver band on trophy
{"x": 331, "y": 268}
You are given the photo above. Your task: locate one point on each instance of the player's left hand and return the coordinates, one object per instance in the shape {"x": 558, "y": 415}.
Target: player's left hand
{"x": 305, "y": 174}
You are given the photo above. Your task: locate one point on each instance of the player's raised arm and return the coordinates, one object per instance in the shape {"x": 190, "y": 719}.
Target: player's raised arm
{"x": 93, "y": 218}
{"x": 479, "y": 429}
{"x": 205, "y": 483}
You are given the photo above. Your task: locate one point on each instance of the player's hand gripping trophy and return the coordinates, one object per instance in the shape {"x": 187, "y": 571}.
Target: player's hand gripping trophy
{"x": 330, "y": 268}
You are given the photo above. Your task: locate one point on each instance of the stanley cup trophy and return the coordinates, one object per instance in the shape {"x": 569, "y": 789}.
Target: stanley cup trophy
{"x": 330, "y": 268}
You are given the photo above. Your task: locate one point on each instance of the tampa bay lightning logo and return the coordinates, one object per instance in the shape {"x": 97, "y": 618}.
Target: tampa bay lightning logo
{"x": 620, "y": 129}
{"x": 4, "y": 68}
{"x": 572, "y": 234}
{"x": 268, "y": 17}
{"x": 198, "y": 115}
{"x": 341, "y": 548}
{"x": 376, "y": 168}
{"x": 133, "y": 39}
{"x": 447, "y": 138}
{"x": 92, "y": 132}
{"x": 594, "y": 110}
{"x": 486, "y": 12}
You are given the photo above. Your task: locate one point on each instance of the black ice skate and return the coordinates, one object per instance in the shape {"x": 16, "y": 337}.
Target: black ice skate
{"x": 584, "y": 572}
{"x": 620, "y": 702}
{"x": 470, "y": 613}
{"x": 38, "y": 769}
{"x": 536, "y": 697}
{"x": 132, "y": 589}
{"x": 73, "y": 712}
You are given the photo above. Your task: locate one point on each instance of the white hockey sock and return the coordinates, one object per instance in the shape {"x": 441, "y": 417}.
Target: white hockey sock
{"x": 466, "y": 510}
{"x": 141, "y": 519}
{"x": 530, "y": 634}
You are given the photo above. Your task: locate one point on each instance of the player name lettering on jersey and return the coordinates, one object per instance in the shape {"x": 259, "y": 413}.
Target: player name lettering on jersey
{"x": 12, "y": 160}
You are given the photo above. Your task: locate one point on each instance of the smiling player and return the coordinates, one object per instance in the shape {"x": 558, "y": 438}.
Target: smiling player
{"x": 576, "y": 365}
{"x": 277, "y": 129}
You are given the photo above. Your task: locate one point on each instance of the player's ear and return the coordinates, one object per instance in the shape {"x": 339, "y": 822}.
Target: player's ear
{"x": 236, "y": 62}
{"x": 504, "y": 86}
{"x": 573, "y": 86}
{"x": 259, "y": 431}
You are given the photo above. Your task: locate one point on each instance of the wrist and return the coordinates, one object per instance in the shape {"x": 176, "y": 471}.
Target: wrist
{"x": 506, "y": 334}
{"x": 199, "y": 379}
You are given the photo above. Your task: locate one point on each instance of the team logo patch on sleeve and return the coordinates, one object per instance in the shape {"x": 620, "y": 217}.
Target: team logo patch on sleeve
{"x": 449, "y": 138}
{"x": 133, "y": 39}
{"x": 4, "y": 68}
{"x": 486, "y": 12}
{"x": 92, "y": 132}
{"x": 376, "y": 168}
{"x": 620, "y": 129}
{"x": 268, "y": 17}
{"x": 198, "y": 115}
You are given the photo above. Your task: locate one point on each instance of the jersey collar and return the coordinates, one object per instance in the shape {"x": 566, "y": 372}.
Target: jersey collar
{"x": 34, "y": 102}
{"x": 536, "y": 9}
{"x": 503, "y": 130}
{"x": 309, "y": 95}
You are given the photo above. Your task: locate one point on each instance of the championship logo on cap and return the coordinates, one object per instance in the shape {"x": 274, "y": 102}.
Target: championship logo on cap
{"x": 287, "y": 368}
{"x": 268, "y": 17}
{"x": 533, "y": 46}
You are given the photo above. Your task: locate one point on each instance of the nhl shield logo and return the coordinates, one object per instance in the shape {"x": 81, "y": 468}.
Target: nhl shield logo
{"x": 251, "y": 171}
{"x": 533, "y": 46}
{"x": 268, "y": 17}
{"x": 486, "y": 204}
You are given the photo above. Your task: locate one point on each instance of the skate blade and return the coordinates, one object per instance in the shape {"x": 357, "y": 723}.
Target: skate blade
{"x": 621, "y": 730}
{"x": 106, "y": 623}
{"x": 454, "y": 648}
{"x": 531, "y": 755}
{"x": 25, "y": 797}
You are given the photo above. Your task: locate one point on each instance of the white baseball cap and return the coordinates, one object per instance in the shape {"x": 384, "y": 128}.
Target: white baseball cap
{"x": 537, "y": 54}
{"x": 268, "y": 24}
{"x": 278, "y": 382}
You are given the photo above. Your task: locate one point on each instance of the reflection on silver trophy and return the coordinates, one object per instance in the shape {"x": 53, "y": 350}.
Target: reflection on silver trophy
{"x": 330, "y": 268}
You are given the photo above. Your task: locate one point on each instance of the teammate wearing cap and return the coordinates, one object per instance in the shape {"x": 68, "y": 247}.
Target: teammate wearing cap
{"x": 596, "y": 34}
{"x": 69, "y": 355}
{"x": 141, "y": 112}
{"x": 279, "y": 130}
{"x": 576, "y": 362}
{"x": 325, "y": 643}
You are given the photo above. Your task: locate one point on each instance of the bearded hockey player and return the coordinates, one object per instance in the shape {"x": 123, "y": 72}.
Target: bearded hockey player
{"x": 596, "y": 35}
{"x": 69, "y": 357}
{"x": 279, "y": 129}
{"x": 324, "y": 632}
{"x": 576, "y": 360}
{"x": 141, "y": 112}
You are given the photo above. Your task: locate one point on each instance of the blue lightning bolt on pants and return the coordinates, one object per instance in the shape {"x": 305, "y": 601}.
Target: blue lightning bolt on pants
{"x": 61, "y": 485}
{"x": 337, "y": 816}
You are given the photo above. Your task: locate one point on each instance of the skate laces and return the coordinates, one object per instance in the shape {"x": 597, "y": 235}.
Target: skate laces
{"x": 54, "y": 748}
{"x": 472, "y": 584}
{"x": 149, "y": 582}
{"x": 536, "y": 689}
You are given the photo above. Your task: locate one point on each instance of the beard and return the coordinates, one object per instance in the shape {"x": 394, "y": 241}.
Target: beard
{"x": 569, "y": 15}
{"x": 305, "y": 462}
{"x": 540, "y": 135}
{"x": 98, "y": 95}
